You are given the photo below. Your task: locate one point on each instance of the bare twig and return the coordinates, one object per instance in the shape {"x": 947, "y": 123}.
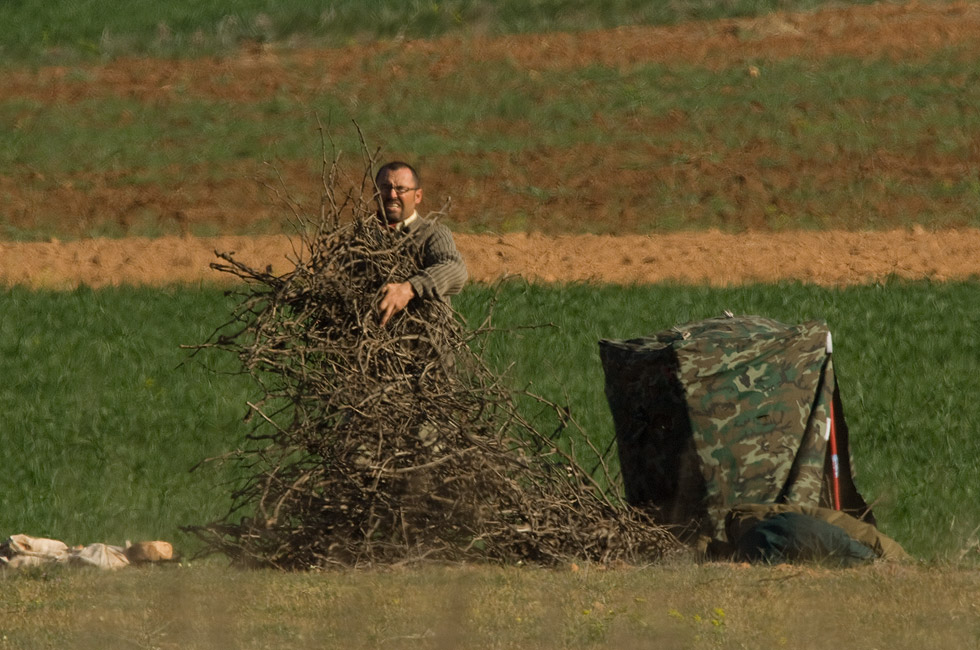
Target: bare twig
{"x": 386, "y": 445}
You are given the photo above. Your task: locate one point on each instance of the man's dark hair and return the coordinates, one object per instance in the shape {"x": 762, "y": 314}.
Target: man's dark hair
{"x": 395, "y": 165}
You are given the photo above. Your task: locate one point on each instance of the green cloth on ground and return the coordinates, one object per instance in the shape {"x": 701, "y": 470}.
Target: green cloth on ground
{"x": 789, "y": 533}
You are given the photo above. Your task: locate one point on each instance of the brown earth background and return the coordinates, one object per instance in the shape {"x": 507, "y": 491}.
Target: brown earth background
{"x": 549, "y": 250}
{"x": 826, "y": 258}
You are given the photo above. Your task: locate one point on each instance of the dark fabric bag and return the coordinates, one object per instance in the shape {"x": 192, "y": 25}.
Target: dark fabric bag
{"x": 793, "y": 537}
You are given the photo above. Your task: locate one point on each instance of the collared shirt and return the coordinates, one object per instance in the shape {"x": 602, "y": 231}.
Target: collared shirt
{"x": 404, "y": 223}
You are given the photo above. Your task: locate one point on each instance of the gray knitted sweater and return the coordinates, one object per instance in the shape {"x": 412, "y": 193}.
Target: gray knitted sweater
{"x": 442, "y": 271}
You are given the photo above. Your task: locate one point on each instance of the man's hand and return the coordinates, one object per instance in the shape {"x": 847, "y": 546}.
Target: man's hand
{"x": 396, "y": 298}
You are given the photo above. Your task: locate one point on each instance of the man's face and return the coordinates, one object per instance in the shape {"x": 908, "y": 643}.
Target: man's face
{"x": 399, "y": 196}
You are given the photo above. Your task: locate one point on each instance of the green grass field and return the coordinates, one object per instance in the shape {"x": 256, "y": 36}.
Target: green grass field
{"x": 838, "y": 142}
{"x": 104, "y": 413}
{"x": 83, "y": 29}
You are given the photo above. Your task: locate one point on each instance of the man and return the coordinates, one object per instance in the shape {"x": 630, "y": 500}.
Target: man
{"x": 442, "y": 272}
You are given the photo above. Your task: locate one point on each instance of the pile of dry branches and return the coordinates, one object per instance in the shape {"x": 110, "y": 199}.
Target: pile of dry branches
{"x": 380, "y": 445}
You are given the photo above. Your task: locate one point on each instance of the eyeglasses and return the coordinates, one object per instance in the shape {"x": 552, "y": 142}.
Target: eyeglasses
{"x": 384, "y": 189}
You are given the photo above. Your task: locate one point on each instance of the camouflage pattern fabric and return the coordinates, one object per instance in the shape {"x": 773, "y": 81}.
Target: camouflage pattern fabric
{"x": 719, "y": 412}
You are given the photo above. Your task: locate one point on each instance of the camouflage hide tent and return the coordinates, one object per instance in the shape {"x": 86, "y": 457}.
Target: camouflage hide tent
{"x": 729, "y": 411}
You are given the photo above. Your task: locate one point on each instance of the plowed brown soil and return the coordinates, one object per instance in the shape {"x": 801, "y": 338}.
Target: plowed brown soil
{"x": 832, "y": 257}
{"x": 827, "y": 258}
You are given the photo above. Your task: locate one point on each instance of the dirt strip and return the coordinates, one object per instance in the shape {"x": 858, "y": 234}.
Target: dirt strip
{"x": 824, "y": 258}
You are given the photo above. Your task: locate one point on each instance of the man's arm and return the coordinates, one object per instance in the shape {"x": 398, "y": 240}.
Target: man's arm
{"x": 443, "y": 271}
{"x": 396, "y": 298}
{"x": 443, "y": 274}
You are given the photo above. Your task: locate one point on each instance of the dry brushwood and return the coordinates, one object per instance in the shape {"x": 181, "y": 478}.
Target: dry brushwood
{"x": 375, "y": 446}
